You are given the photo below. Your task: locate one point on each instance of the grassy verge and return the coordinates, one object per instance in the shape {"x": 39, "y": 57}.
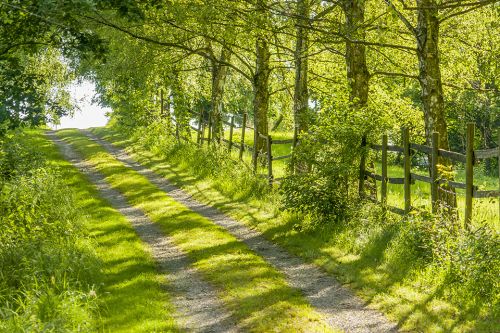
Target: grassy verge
{"x": 257, "y": 294}
{"x": 129, "y": 288}
{"x": 371, "y": 255}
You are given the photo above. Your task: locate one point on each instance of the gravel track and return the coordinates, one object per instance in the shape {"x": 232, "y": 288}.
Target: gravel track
{"x": 340, "y": 307}
{"x": 198, "y": 307}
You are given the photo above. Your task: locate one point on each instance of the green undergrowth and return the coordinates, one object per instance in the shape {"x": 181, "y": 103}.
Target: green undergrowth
{"x": 421, "y": 272}
{"x": 80, "y": 266}
{"x": 256, "y": 293}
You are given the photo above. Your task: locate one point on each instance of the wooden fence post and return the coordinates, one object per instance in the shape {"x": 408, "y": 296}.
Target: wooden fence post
{"x": 177, "y": 131}
{"x": 231, "y": 134}
{"x": 162, "y": 113}
{"x": 383, "y": 191}
{"x": 242, "y": 146}
{"x": 469, "y": 174}
{"x": 255, "y": 153}
{"x": 362, "y": 168}
{"x": 407, "y": 169}
{"x": 269, "y": 159}
{"x": 209, "y": 138}
{"x": 434, "y": 171}
{"x": 200, "y": 128}
{"x": 294, "y": 144}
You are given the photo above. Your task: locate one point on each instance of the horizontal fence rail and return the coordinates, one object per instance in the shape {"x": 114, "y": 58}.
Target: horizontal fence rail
{"x": 470, "y": 158}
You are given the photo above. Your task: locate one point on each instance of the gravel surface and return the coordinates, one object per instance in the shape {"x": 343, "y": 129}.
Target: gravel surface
{"x": 198, "y": 307}
{"x": 340, "y": 307}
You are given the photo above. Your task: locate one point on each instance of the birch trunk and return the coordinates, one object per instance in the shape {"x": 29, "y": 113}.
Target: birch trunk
{"x": 301, "y": 91}
{"x": 427, "y": 33}
{"x": 261, "y": 96}
{"x": 357, "y": 72}
{"x": 219, "y": 73}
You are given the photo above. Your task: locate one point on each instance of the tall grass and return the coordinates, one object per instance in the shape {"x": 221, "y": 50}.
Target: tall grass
{"x": 46, "y": 262}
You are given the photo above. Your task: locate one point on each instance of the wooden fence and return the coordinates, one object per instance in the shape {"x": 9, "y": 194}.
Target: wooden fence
{"x": 470, "y": 159}
{"x": 241, "y": 146}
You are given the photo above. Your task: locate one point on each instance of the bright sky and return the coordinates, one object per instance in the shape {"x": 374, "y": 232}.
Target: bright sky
{"x": 90, "y": 115}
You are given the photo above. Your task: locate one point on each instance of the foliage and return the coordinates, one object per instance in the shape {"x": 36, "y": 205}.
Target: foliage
{"x": 47, "y": 266}
{"x": 327, "y": 159}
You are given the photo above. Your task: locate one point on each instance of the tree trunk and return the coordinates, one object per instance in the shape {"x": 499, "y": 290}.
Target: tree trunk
{"x": 301, "y": 92}
{"x": 219, "y": 73}
{"x": 261, "y": 96}
{"x": 357, "y": 72}
{"x": 427, "y": 33}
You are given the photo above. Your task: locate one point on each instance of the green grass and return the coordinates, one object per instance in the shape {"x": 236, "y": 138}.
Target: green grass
{"x": 130, "y": 289}
{"x": 280, "y": 167}
{"x": 485, "y": 210}
{"x": 256, "y": 293}
{"x": 366, "y": 254}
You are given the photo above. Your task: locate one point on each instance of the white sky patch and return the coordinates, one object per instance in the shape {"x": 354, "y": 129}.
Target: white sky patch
{"x": 89, "y": 114}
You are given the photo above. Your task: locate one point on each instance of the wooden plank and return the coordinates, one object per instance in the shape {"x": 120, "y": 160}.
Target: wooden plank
{"x": 394, "y": 148}
{"x": 281, "y": 157}
{"x": 390, "y": 180}
{"x": 396, "y": 210}
{"x": 393, "y": 180}
{"x": 282, "y": 142}
{"x": 485, "y": 153}
{"x": 486, "y": 194}
{"x": 421, "y": 148}
{"x": 453, "y": 155}
{"x": 421, "y": 178}
{"x": 454, "y": 184}
{"x": 469, "y": 174}
{"x": 373, "y": 176}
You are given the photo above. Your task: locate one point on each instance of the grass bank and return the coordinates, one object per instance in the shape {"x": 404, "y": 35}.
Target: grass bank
{"x": 103, "y": 280}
